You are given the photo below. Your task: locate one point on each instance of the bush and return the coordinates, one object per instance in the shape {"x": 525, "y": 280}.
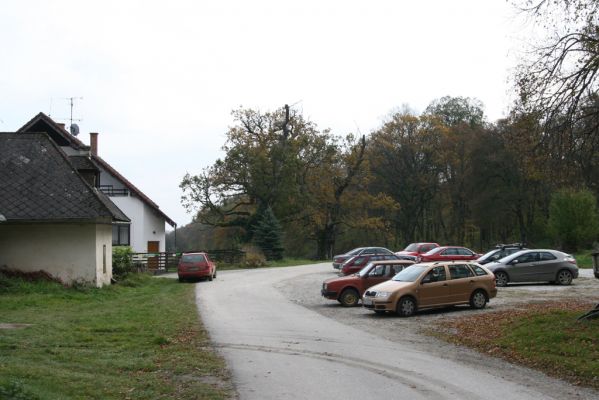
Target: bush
{"x": 573, "y": 218}
{"x": 121, "y": 261}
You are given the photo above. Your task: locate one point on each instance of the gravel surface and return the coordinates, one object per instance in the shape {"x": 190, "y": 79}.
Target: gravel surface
{"x": 305, "y": 291}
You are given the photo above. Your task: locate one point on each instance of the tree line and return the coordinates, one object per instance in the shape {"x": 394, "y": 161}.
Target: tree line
{"x": 446, "y": 174}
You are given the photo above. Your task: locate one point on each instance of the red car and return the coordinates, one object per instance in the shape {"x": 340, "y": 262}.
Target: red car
{"x": 196, "y": 266}
{"x": 356, "y": 263}
{"x": 449, "y": 253}
{"x": 414, "y": 250}
{"x": 348, "y": 290}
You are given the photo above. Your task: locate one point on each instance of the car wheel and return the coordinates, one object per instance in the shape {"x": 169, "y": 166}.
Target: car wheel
{"x": 210, "y": 277}
{"x": 478, "y": 300}
{"x": 406, "y": 307}
{"x": 501, "y": 279}
{"x": 214, "y": 276}
{"x": 564, "y": 277}
{"x": 349, "y": 298}
{"x": 181, "y": 279}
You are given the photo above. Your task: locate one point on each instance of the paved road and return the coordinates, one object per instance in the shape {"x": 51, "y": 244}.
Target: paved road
{"x": 277, "y": 349}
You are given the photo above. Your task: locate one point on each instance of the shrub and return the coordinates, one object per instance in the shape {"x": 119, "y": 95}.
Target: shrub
{"x": 573, "y": 218}
{"x": 121, "y": 261}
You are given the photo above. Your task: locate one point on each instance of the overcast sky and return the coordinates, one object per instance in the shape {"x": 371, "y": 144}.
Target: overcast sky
{"x": 159, "y": 78}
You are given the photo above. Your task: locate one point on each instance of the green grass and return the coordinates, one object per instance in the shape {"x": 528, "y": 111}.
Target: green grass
{"x": 141, "y": 339}
{"x": 545, "y": 336}
{"x": 286, "y": 262}
{"x": 584, "y": 259}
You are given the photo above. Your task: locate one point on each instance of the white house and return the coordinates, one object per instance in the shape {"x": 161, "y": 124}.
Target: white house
{"x": 146, "y": 231}
{"x": 51, "y": 218}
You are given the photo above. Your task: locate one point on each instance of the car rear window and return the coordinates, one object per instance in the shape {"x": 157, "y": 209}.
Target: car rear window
{"x": 547, "y": 256}
{"x": 193, "y": 258}
{"x": 478, "y": 270}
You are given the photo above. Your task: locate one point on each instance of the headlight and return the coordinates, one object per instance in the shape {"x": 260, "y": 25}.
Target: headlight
{"x": 383, "y": 294}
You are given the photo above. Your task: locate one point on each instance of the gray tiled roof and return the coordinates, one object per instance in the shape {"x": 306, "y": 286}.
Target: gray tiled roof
{"x": 83, "y": 163}
{"x": 37, "y": 183}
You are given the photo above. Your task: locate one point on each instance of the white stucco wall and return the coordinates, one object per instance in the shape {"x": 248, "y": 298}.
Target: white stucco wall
{"x": 153, "y": 227}
{"x": 70, "y": 252}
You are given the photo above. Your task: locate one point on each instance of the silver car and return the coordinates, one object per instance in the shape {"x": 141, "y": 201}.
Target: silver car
{"x": 535, "y": 265}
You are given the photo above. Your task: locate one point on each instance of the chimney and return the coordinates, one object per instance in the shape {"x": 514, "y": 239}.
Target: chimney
{"x": 60, "y": 124}
{"x": 93, "y": 142}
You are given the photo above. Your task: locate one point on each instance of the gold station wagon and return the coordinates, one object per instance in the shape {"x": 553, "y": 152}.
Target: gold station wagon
{"x": 430, "y": 285}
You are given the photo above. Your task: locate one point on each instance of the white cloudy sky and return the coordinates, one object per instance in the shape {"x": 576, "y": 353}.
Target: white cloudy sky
{"x": 160, "y": 78}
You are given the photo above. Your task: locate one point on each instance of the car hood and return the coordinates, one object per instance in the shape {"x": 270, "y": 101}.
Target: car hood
{"x": 493, "y": 265}
{"x": 351, "y": 277}
{"x": 390, "y": 286}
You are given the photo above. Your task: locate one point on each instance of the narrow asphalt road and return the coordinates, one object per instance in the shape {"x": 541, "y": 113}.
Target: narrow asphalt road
{"x": 277, "y": 349}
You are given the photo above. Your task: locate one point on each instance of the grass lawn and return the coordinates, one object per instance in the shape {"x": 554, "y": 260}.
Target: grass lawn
{"x": 584, "y": 259}
{"x": 543, "y": 336}
{"x": 286, "y": 262}
{"x": 140, "y": 339}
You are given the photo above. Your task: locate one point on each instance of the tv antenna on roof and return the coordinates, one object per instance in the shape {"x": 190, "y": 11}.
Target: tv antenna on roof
{"x": 73, "y": 128}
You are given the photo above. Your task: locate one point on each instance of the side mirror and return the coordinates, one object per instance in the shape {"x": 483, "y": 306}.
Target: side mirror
{"x": 513, "y": 262}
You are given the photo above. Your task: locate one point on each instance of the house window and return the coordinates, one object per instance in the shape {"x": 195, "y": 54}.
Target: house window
{"x": 104, "y": 259}
{"x": 120, "y": 235}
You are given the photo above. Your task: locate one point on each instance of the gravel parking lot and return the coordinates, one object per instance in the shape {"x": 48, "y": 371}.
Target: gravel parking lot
{"x": 306, "y": 292}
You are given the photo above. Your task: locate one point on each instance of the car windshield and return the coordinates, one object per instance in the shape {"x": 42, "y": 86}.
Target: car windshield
{"x": 434, "y": 251}
{"x": 509, "y": 257}
{"x": 364, "y": 271}
{"x": 487, "y": 255}
{"x": 410, "y": 274}
{"x": 193, "y": 258}
{"x": 411, "y": 247}
{"x": 354, "y": 251}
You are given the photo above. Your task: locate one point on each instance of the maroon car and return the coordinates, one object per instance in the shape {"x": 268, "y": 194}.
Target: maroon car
{"x": 414, "y": 250}
{"x": 348, "y": 290}
{"x": 449, "y": 253}
{"x": 356, "y": 263}
{"x": 196, "y": 266}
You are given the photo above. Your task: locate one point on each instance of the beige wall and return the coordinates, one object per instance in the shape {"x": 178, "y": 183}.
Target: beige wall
{"x": 70, "y": 252}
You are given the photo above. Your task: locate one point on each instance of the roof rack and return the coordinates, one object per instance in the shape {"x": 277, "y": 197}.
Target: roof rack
{"x": 517, "y": 245}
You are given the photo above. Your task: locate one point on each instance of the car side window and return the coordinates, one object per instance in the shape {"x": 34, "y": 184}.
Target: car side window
{"x": 426, "y": 248}
{"x": 378, "y": 270}
{"x": 464, "y": 252}
{"x": 528, "y": 257}
{"x": 478, "y": 270}
{"x": 436, "y": 274}
{"x": 369, "y": 251}
{"x": 459, "y": 271}
{"x": 547, "y": 256}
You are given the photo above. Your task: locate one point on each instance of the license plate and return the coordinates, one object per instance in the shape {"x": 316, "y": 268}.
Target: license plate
{"x": 367, "y": 301}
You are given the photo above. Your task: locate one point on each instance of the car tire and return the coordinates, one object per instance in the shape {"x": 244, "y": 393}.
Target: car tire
{"x": 210, "y": 277}
{"x": 214, "y": 276}
{"x": 349, "y": 298}
{"x": 181, "y": 279}
{"x": 501, "y": 279}
{"x": 478, "y": 300}
{"x": 564, "y": 277}
{"x": 406, "y": 307}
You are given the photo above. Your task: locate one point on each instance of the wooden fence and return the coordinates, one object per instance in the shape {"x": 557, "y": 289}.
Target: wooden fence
{"x": 167, "y": 262}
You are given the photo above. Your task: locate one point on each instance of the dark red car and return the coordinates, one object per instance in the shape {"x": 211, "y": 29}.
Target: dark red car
{"x": 356, "y": 263}
{"x": 449, "y": 253}
{"x": 348, "y": 290}
{"x": 414, "y": 250}
{"x": 196, "y": 266}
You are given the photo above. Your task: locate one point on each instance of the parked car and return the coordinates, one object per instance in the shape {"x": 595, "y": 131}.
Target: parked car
{"x": 356, "y": 263}
{"x": 195, "y": 266}
{"x": 535, "y": 265}
{"x": 500, "y": 251}
{"x": 348, "y": 290}
{"x": 449, "y": 253}
{"x": 414, "y": 250}
{"x": 338, "y": 260}
{"x": 430, "y": 285}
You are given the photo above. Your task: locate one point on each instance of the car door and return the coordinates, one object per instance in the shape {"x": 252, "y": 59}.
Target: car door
{"x": 549, "y": 264}
{"x": 433, "y": 289}
{"x": 524, "y": 267}
{"x": 379, "y": 273}
{"x": 461, "y": 283}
